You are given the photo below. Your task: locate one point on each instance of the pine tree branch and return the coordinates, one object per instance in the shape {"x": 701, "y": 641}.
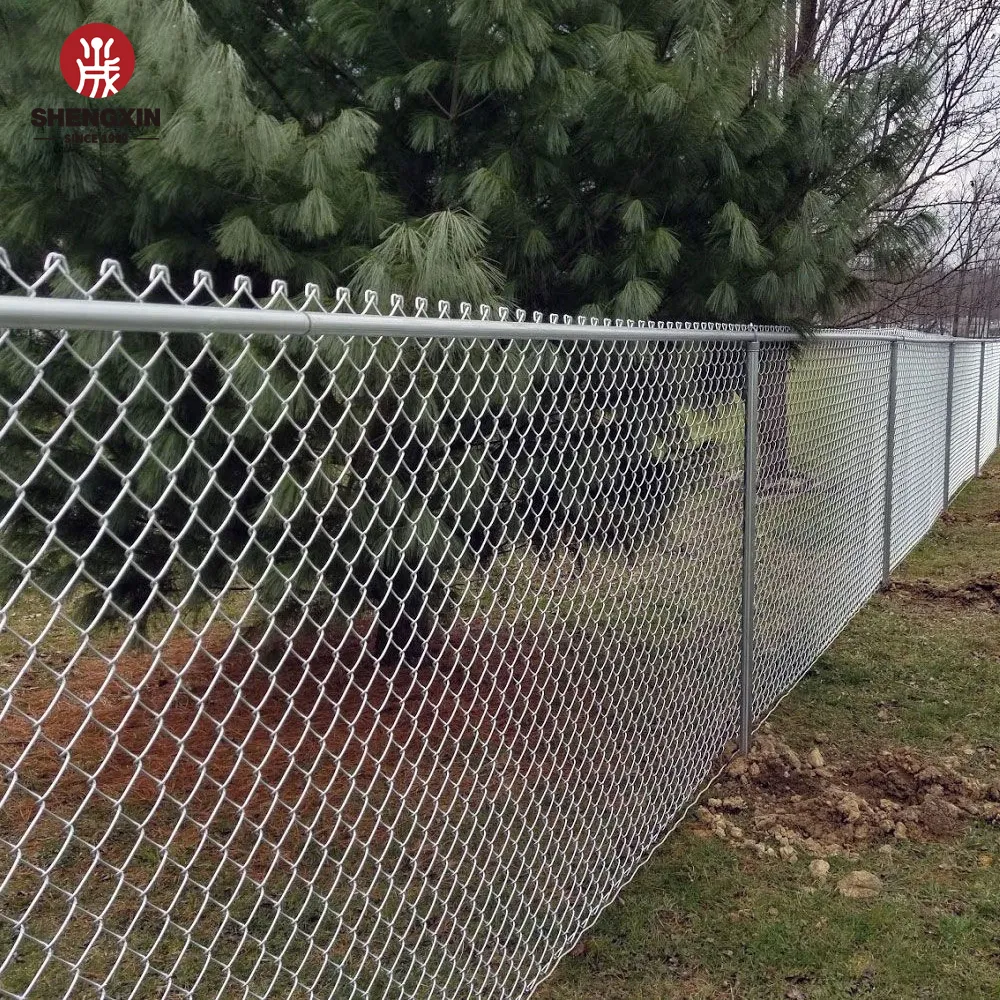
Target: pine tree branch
{"x": 476, "y": 106}
{"x": 249, "y": 54}
{"x": 453, "y": 114}
{"x": 322, "y": 65}
{"x": 437, "y": 104}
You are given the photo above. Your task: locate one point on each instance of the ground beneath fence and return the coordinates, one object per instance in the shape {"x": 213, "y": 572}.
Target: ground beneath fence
{"x": 984, "y": 590}
{"x": 855, "y": 851}
{"x": 324, "y": 740}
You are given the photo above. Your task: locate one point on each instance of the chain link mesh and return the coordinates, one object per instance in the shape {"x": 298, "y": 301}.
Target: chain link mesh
{"x": 369, "y": 665}
{"x": 965, "y": 407}
{"x": 822, "y": 471}
{"x": 990, "y": 422}
{"x": 920, "y": 427}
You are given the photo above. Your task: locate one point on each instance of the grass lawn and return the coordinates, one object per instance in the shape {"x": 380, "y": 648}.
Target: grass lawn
{"x": 903, "y": 714}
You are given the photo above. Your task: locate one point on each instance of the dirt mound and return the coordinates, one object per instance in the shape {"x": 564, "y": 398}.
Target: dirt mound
{"x": 983, "y": 590}
{"x": 956, "y": 517}
{"x": 778, "y": 802}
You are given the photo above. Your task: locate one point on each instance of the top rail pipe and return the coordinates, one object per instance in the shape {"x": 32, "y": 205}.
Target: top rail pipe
{"x": 90, "y": 314}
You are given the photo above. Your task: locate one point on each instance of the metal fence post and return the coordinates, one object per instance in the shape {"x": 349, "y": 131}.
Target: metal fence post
{"x": 947, "y": 422}
{"x": 890, "y": 457}
{"x": 979, "y": 411}
{"x": 750, "y": 476}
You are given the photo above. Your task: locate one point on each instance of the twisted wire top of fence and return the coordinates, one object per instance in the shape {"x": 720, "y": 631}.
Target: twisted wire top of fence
{"x": 58, "y": 298}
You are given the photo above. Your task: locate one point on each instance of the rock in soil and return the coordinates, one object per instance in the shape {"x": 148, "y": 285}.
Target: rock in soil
{"x": 819, "y": 868}
{"x": 860, "y": 885}
{"x": 738, "y": 767}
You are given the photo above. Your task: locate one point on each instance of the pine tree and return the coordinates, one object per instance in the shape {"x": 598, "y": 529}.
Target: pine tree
{"x": 590, "y": 157}
{"x": 626, "y": 160}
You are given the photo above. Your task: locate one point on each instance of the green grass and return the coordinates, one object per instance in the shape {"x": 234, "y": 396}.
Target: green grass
{"x": 703, "y": 920}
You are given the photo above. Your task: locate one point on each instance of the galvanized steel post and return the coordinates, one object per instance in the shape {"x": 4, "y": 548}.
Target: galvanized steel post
{"x": 751, "y": 425}
{"x": 979, "y": 411}
{"x": 890, "y": 456}
{"x": 947, "y": 422}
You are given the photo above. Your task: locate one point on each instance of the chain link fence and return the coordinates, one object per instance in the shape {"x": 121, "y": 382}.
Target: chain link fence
{"x": 359, "y": 655}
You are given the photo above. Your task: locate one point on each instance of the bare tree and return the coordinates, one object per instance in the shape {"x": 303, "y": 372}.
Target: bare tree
{"x": 950, "y": 49}
{"x": 954, "y": 289}
{"x": 953, "y": 48}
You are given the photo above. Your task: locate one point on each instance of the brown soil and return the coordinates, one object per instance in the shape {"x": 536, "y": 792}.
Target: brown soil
{"x": 778, "y": 802}
{"x": 982, "y": 590}
{"x": 211, "y": 735}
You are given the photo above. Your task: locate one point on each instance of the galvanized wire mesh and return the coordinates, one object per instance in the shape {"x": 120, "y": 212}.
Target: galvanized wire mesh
{"x": 919, "y": 443}
{"x": 820, "y": 502}
{"x": 990, "y": 422}
{"x": 358, "y": 657}
{"x": 965, "y": 404}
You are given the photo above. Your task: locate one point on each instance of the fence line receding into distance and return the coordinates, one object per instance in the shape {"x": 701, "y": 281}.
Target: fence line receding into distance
{"x": 359, "y": 655}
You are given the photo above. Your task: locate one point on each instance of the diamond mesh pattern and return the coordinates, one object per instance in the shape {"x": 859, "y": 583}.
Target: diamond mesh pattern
{"x": 991, "y": 397}
{"x": 822, "y": 470}
{"x": 918, "y": 465}
{"x": 373, "y": 662}
{"x": 965, "y": 407}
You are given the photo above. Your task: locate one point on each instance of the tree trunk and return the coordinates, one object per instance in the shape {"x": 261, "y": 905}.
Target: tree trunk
{"x": 805, "y": 49}
{"x": 956, "y": 316}
{"x": 405, "y": 618}
{"x": 791, "y": 33}
{"x": 776, "y": 362}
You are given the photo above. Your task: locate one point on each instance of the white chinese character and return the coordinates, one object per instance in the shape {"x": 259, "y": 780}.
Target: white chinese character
{"x": 107, "y": 72}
